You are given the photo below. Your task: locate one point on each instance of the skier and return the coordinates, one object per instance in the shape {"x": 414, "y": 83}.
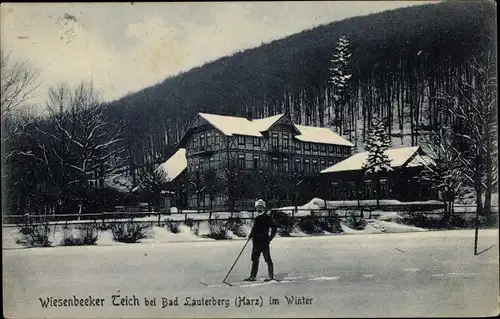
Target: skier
{"x": 261, "y": 240}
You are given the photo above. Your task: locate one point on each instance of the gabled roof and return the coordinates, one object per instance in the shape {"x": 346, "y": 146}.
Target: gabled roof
{"x": 421, "y": 160}
{"x": 264, "y": 124}
{"x": 320, "y": 135}
{"x": 174, "y": 166}
{"x": 398, "y": 156}
{"x": 231, "y": 125}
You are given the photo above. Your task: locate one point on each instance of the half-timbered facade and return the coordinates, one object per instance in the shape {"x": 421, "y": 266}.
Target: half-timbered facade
{"x": 231, "y": 145}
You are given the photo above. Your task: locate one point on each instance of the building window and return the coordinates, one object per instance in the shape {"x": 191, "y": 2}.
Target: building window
{"x": 241, "y": 140}
{"x": 285, "y": 142}
{"x": 211, "y": 163}
{"x": 255, "y": 161}
{"x": 322, "y": 148}
{"x": 351, "y": 190}
{"x": 241, "y": 160}
{"x": 330, "y": 149}
{"x": 201, "y": 165}
{"x": 315, "y": 147}
{"x": 298, "y": 165}
{"x": 335, "y": 190}
{"x": 330, "y": 163}
{"x": 307, "y": 166}
{"x": 275, "y": 164}
{"x": 256, "y": 141}
{"x": 315, "y": 165}
{"x": 367, "y": 189}
{"x": 384, "y": 188}
{"x": 195, "y": 143}
{"x": 285, "y": 164}
{"x": 323, "y": 164}
{"x": 202, "y": 141}
{"x": 275, "y": 140}
{"x": 307, "y": 146}
{"x": 297, "y": 145}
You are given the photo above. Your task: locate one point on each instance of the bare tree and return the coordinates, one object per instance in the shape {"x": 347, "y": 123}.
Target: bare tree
{"x": 228, "y": 177}
{"x": 76, "y": 144}
{"x": 473, "y": 114}
{"x": 152, "y": 181}
{"x": 18, "y": 81}
{"x": 442, "y": 171}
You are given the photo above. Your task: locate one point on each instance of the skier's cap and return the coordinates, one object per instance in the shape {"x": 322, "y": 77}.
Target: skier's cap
{"x": 260, "y": 202}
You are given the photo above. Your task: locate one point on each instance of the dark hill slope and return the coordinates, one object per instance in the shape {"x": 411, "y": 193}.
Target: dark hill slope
{"x": 291, "y": 74}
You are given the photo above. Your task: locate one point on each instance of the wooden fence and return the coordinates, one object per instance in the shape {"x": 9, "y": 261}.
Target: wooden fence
{"x": 159, "y": 217}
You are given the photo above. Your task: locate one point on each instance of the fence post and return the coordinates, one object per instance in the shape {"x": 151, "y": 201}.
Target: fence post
{"x": 26, "y": 221}
{"x": 185, "y": 217}
{"x": 209, "y": 216}
{"x": 293, "y": 213}
{"x": 159, "y": 216}
{"x": 103, "y": 220}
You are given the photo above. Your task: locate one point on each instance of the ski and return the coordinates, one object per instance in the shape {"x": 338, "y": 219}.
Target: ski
{"x": 261, "y": 281}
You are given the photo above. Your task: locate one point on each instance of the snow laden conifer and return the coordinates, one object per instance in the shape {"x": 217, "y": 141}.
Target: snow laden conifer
{"x": 339, "y": 78}
{"x": 377, "y": 163}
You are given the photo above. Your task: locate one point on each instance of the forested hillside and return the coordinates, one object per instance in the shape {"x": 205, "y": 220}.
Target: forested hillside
{"x": 400, "y": 60}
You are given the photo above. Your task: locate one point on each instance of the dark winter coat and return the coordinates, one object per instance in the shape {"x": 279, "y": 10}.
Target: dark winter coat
{"x": 260, "y": 229}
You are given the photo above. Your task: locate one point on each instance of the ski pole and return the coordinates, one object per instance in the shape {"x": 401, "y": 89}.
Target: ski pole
{"x": 224, "y": 281}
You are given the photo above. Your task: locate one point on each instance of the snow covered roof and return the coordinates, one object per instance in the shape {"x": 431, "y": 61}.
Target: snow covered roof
{"x": 232, "y": 125}
{"x": 320, "y": 135}
{"x": 420, "y": 160}
{"x": 398, "y": 157}
{"x": 174, "y": 166}
{"x": 264, "y": 124}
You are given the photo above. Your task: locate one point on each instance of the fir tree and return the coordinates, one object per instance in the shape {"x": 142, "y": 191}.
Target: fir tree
{"x": 338, "y": 77}
{"x": 378, "y": 162}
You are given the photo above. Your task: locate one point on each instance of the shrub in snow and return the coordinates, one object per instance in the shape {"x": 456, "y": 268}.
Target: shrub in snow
{"x": 422, "y": 219}
{"x": 284, "y": 222}
{"x": 310, "y": 224}
{"x": 218, "y": 229}
{"x": 130, "y": 232}
{"x": 355, "y": 222}
{"x": 173, "y": 226}
{"x": 189, "y": 222}
{"x": 193, "y": 226}
{"x": 35, "y": 235}
{"x": 235, "y": 224}
{"x": 86, "y": 234}
{"x": 330, "y": 224}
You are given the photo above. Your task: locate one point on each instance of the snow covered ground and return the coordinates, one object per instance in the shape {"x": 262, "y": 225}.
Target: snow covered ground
{"x": 11, "y": 236}
{"x": 411, "y": 274}
{"x": 382, "y": 222}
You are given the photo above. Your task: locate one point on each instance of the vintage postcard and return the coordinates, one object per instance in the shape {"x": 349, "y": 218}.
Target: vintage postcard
{"x": 249, "y": 159}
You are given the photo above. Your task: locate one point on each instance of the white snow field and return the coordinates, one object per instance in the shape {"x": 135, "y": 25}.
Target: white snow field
{"x": 368, "y": 275}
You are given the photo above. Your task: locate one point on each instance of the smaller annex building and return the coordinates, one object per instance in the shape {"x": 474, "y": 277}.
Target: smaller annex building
{"x": 347, "y": 180}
